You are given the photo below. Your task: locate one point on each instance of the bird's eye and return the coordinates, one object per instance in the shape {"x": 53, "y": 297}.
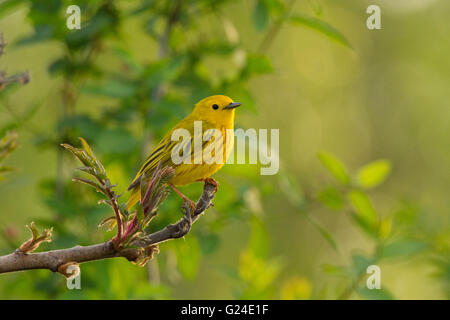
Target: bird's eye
{"x": 215, "y": 106}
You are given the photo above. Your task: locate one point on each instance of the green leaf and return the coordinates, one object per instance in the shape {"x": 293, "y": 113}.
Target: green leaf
{"x": 41, "y": 34}
{"x": 86, "y": 147}
{"x": 320, "y": 26}
{"x": 375, "y": 294}
{"x": 164, "y": 71}
{"x": 365, "y": 213}
{"x": 402, "y": 248}
{"x": 98, "y": 25}
{"x": 328, "y": 237}
{"x": 9, "y": 5}
{"x": 274, "y": 7}
{"x": 82, "y": 125}
{"x": 338, "y": 271}
{"x": 373, "y": 174}
{"x": 335, "y": 166}
{"x": 93, "y": 184}
{"x": 116, "y": 141}
{"x": 109, "y": 223}
{"x": 260, "y": 15}
{"x": 88, "y": 170}
{"x": 80, "y": 154}
{"x": 112, "y": 88}
{"x": 331, "y": 197}
{"x": 258, "y": 64}
{"x": 360, "y": 263}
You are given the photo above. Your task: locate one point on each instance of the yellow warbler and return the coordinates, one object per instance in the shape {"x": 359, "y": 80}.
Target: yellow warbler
{"x": 209, "y": 132}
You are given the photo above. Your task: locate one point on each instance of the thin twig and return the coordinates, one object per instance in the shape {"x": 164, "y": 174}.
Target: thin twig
{"x": 22, "y": 77}
{"x": 275, "y": 29}
{"x": 2, "y": 43}
{"x": 113, "y": 198}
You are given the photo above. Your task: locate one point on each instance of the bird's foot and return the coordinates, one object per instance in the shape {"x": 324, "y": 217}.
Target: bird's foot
{"x": 188, "y": 214}
{"x": 186, "y": 201}
{"x": 214, "y": 182}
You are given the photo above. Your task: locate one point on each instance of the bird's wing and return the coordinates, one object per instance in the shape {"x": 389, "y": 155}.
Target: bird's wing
{"x": 163, "y": 152}
{"x": 160, "y": 154}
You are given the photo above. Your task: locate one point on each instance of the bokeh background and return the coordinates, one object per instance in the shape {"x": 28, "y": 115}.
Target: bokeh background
{"x": 364, "y": 119}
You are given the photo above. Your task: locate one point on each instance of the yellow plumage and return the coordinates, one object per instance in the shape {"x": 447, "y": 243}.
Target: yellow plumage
{"x": 216, "y": 115}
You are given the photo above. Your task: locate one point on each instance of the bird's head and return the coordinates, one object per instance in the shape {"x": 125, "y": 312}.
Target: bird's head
{"x": 217, "y": 109}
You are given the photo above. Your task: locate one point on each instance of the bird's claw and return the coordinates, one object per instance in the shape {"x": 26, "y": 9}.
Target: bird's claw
{"x": 184, "y": 228}
{"x": 213, "y": 182}
{"x": 189, "y": 207}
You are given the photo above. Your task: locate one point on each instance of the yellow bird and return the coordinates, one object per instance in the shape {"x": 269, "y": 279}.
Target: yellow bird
{"x": 215, "y": 114}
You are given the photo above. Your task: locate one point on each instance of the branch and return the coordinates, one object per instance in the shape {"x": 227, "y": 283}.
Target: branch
{"x": 143, "y": 251}
{"x": 23, "y": 77}
{"x": 275, "y": 29}
{"x": 131, "y": 241}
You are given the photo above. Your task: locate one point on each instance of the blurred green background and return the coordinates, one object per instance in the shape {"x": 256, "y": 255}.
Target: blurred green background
{"x": 310, "y": 68}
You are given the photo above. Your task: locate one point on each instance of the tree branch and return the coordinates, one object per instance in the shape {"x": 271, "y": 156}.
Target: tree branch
{"x": 143, "y": 248}
{"x": 275, "y": 29}
{"x": 23, "y": 77}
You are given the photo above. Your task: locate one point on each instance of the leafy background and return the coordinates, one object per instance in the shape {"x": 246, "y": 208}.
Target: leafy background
{"x": 364, "y": 132}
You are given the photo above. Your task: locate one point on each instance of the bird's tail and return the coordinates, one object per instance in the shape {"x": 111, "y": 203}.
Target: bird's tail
{"x": 134, "y": 198}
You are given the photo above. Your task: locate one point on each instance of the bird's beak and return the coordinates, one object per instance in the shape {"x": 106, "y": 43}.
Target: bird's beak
{"x": 233, "y": 105}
